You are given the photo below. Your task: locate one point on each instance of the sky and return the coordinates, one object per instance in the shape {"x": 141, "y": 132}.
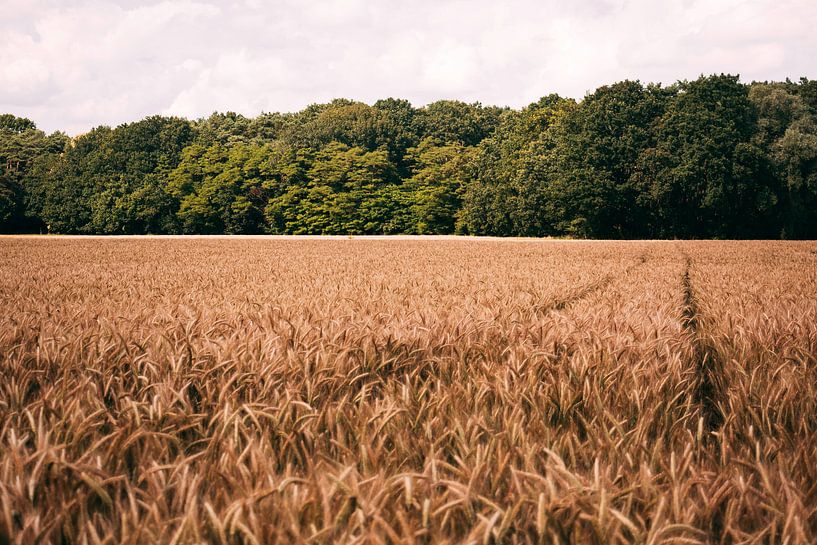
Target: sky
{"x": 72, "y": 65}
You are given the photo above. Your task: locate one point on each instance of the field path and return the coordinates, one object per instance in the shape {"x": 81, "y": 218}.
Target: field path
{"x": 709, "y": 369}
{"x": 561, "y": 303}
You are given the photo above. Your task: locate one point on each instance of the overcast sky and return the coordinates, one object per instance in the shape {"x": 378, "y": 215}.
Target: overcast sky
{"x": 75, "y": 64}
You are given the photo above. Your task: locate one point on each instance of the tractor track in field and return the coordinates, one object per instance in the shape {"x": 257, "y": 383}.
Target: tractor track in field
{"x": 586, "y": 290}
{"x": 709, "y": 369}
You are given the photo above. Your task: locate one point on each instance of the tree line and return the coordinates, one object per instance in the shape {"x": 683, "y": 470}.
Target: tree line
{"x": 709, "y": 158}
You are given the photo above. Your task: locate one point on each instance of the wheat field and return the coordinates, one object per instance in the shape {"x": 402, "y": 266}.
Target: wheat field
{"x": 275, "y": 390}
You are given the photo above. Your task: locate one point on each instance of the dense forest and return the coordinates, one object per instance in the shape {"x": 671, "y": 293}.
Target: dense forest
{"x": 710, "y": 158}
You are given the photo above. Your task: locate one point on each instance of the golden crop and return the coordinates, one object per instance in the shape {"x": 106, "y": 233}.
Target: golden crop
{"x": 220, "y": 390}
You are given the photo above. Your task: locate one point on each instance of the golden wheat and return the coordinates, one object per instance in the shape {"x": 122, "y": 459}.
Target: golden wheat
{"x": 231, "y": 390}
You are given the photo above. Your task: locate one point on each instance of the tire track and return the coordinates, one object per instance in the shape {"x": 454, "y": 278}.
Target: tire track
{"x": 600, "y": 284}
{"x": 709, "y": 389}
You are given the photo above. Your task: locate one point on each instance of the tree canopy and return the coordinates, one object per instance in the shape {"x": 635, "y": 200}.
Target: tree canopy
{"x": 713, "y": 157}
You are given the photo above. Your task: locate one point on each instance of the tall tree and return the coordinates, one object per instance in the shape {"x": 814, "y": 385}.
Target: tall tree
{"x": 456, "y": 121}
{"x": 22, "y": 148}
{"x": 705, "y": 177}
{"x": 88, "y": 191}
{"x": 707, "y": 158}
{"x": 346, "y": 192}
{"x": 595, "y": 189}
{"x": 221, "y": 189}
{"x": 436, "y": 188}
{"x": 787, "y": 134}
{"x": 512, "y": 174}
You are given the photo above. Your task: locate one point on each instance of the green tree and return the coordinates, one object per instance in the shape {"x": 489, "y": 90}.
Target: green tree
{"x": 101, "y": 171}
{"x": 705, "y": 177}
{"x": 351, "y": 123}
{"x": 456, "y": 121}
{"x": 397, "y": 131}
{"x": 225, "y": 128}
{"x": 707, "y": 158}
{"x": 596, "y": 186}
{"x": 22, "y": 147}
{"x": 513, "y": 172}
{"x": 787, "y": 135}
{"x": 346, "y": 192}
{"x": 435, "y": 190}
{"x": 221, "y": 188}
{"x": 15, "y": 125}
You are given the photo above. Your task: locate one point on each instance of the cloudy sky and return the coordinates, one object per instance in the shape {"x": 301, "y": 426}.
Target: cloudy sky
{"x": 75, "y": 64}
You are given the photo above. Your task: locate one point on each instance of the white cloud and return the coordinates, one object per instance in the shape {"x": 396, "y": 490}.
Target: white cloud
{"x": 73, "y": 64}
{"x": 236, "y": 81}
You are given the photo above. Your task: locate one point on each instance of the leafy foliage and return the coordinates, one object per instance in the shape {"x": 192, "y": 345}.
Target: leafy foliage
{"x": 711, "y": 157}
{"x": 23, "y": 151}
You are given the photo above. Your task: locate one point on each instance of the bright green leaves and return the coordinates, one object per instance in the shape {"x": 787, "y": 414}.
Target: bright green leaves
{"x": 707, "y": 158}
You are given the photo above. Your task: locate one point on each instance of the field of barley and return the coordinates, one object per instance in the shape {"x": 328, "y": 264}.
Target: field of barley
{"x": 283, "y": 390}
